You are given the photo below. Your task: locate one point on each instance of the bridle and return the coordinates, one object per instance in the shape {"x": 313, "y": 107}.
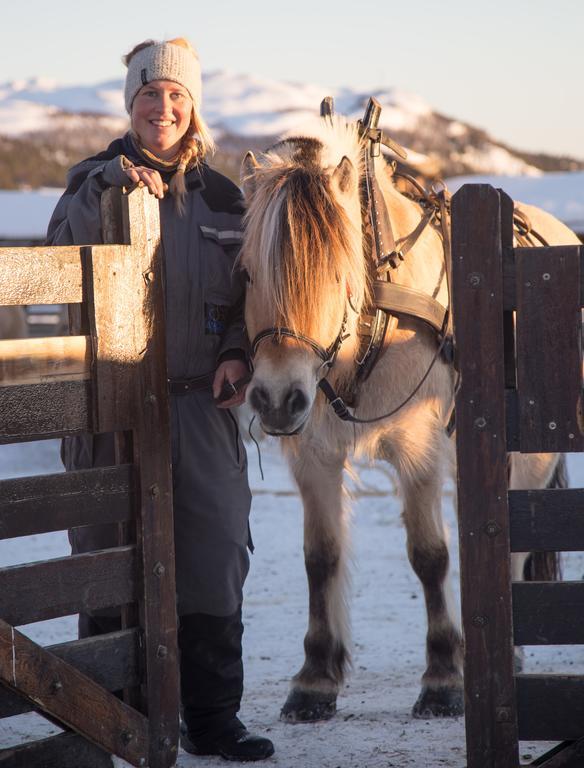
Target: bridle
{"x": 328, "y": 355}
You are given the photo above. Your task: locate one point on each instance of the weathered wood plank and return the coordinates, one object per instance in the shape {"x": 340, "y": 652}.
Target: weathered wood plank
{"x": 507, "y": 235}
{"x": 550, "y": 707}
{"x": 37, "y": 411}
{"x": 548, "y": 613}
{"x": 491, "y": 726}
{"x": 567, "y": 754}
{"x": 72, "y": 698}
{"x": 67, "y": 585}
{"x": 512, "y": 419}
{"x": 549, "y": 353}
{"x": 510, "y": 279}
{"x": 38, "y": 361}
{"x": 152, "y": 456}
{"x": 120, "y": 329}
{"x": 44, "y": 275}
{"x": 550, "y": 519}
{"x": 65, "y": 750}
{"x": 57, "y": 502}
{"x": 111, "y": 660}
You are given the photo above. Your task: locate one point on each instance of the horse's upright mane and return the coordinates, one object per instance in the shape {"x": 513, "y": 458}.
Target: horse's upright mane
{"x": 300, "y": 234}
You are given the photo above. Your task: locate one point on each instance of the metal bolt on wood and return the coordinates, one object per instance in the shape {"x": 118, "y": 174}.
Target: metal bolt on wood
{"x": 56, "y": 686}
{"x": 479, "y": 621}
{"x": 474, "y": 279}
{"x": 552, "y": 425}
{"x": 159, "y": 570}
{"x": 154, "y": 491}
{"x": 480, "y": 422}
{"x": 126, "y": 737}
{"x": 492, "y": 528}
{"x": 165, "y": 742}
{"x": 503, "y": 714}
{"x": 546, "y": 276}
{"x": 150, "y": 398}
{"x": 162, "y": 652}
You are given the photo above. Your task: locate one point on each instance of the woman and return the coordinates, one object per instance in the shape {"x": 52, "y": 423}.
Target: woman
{"x": 200, "y": 213}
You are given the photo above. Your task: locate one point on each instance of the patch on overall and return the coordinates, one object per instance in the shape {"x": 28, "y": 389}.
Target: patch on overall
{"x": 215, "y": 318}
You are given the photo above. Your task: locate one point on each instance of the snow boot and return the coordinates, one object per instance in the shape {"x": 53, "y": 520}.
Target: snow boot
{"x": 211, "y": 676}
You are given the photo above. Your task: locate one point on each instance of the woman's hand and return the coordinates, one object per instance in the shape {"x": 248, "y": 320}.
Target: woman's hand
{"x": 227, "y": 374}
{"x": 147, "y": 177}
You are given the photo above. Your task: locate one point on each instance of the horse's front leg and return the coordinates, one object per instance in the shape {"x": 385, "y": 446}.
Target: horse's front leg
{"x": 442, "y": 689}
{"x": 314, "y": 689}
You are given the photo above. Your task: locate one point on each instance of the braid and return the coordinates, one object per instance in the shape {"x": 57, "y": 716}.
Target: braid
{"x": 190, "y": 150}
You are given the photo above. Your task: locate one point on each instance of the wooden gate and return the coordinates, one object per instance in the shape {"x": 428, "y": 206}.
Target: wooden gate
{"x": 109, "y": 378}
{"x": 518, "y": 336}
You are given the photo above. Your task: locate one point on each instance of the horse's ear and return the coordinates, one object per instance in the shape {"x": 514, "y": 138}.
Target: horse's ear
{"x": 345, "y": 176}
{"x": 247, "y": 173}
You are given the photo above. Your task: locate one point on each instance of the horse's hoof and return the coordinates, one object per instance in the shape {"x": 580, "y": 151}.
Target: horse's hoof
{"x": 308, "y": 707}
{"x": 439, "y": 702}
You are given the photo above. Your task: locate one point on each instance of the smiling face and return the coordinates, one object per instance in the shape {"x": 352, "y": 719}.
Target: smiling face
{"x": 161, "y": 114}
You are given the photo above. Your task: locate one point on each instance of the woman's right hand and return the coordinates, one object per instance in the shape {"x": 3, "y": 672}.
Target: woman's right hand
{"x": 147, "y": 177}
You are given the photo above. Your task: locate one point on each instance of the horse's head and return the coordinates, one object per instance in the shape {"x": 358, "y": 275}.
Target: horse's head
{"x": 304, "y": 257}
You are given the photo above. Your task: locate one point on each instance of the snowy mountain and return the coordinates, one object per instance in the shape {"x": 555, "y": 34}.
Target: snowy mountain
{"x": 68, "y": 122}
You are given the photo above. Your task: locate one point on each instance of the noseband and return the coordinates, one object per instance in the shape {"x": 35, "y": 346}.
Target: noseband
{"x": 328, "y": 355}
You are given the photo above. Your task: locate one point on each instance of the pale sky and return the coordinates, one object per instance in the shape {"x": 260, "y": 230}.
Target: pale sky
{"x": 513, "y": 67}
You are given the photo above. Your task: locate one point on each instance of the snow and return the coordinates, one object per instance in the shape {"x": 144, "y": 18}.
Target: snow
{"x": 373, "y": 727}
{"x": 493, "y": 159}
{"x": 25, "y": 215}
{"x": 240, "y": 104}
{"x": 561, "y": 194}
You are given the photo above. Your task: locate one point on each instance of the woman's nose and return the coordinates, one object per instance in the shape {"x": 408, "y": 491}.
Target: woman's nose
{"x": 165, "y": 104}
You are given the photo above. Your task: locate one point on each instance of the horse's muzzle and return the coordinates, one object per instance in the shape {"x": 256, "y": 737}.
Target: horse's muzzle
{"x": 286, "y": 417}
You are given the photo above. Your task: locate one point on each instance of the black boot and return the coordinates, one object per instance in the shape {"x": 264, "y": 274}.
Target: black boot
{"x": 211, "y": 672}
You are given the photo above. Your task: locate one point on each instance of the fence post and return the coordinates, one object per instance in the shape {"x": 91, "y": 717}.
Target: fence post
{"x": 130, "y": 352}
{"x": 485, "y": 569}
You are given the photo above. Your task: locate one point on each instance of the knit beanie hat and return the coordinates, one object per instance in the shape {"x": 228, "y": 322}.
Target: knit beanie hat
{"x": 164, "y": 61}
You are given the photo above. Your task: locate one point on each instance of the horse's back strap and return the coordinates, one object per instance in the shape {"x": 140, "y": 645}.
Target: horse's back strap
{"x": 401, "y": 300}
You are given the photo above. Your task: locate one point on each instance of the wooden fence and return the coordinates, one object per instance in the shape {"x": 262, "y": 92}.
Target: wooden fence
{"x": 111, "y": 377}
{"x": 518, "y": 336}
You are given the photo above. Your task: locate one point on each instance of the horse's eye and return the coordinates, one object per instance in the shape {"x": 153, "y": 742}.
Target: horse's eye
{"x": 246, "y": 276}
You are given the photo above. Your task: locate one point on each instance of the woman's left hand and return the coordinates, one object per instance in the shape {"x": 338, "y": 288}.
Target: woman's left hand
{"x": 227, "y": 374}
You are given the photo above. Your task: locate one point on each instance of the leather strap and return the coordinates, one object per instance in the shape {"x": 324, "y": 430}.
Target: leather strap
{"x": 184, "y": 386}
{"x": 401, "y": 300}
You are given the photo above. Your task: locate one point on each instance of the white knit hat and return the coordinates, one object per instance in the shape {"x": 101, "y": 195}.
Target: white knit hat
{"x": 164, "y": 61}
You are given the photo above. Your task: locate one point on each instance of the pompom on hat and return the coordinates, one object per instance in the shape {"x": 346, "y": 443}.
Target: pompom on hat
{"x": 163, "y": 61}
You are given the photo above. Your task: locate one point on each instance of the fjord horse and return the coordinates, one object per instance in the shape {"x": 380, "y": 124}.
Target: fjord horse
{"x": 306, "y": 258}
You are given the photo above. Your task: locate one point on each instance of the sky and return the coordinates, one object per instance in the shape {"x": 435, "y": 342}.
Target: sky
{"x": 513, "y": 67}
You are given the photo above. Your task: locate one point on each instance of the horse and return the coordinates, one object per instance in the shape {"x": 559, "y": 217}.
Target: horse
{"x": 307, "y": 260}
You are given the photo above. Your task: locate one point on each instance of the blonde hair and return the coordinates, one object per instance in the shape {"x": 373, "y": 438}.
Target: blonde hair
{"x": 197, "y": 141}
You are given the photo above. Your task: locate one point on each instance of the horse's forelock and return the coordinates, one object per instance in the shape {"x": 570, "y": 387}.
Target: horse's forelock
{"x": 301, "y": 242}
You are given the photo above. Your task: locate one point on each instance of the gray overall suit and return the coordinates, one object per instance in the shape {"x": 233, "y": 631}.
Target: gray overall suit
{"x": 204, "y": 325}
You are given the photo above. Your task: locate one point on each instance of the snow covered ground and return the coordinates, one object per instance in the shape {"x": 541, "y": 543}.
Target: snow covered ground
{"x": 373, "y": 727}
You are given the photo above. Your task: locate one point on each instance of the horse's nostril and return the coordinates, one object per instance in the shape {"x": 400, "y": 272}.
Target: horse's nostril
{"x": 296, "y": 402}
{"x": 259, "y": 399}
